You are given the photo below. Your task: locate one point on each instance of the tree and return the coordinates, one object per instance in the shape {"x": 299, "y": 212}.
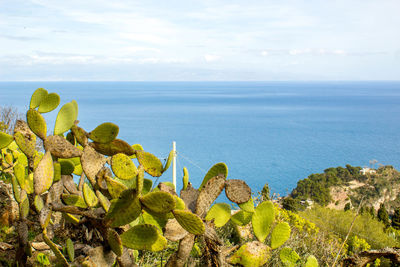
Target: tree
{"x": 8, "y": 117}
{"x": 347, "y": 206}
{"x": 265, "y": 193}
{"x": 396, "y": 219}
{"x": 383, "y": 215}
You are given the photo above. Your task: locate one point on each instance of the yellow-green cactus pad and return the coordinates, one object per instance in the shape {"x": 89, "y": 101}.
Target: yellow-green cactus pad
{"x": 70, "y": 218}
{"x": 65, "y": 118}
{"x": 22, "y": 159}
{"x": 140, "y": 179}
{"x": 89, "y": 196}
{"x": 37, "y": 158}
{"x": 220, "y": 213}
{"x": 115, "y": 188}
{"x": 147, "y": 184}
{"x": 251, "y": 254}
{"x": 44, "y": 174}
{"x": 70, "y": 249}
{"x": 211, "y": 190}
{"x": 67, "y": 166}
{"x": 57, "y": 171}
{"x": 179, "y": 203}
{"x": 189, "y": 221}
{"x": 74, "y": 200}
{"x": 36, "y": 123}
{"x": 311, "y": 261}
{"x": 24, "y": 205}
{"x": 92, "y": 162}
{"x": 114, "y": 147}
{"x": 237, "y": 191}
{"x": 124, "y": 209}
{"x": 61, "y": 148}
{"x": 280, "y": 234}
{"x": 247, "y": 206}
{"x": 152, "y": 165}
{"x": 115, "y": 242}
{"x": 169, "y": 160}
{"x": 49, "y": 102}
{"x": 55, "y": 250}
{"x": 123, "y": 167}
{"x": 262, "y": 219}
{"x": 104, "y": 133}
{"x": 185, "y": 179}
{"x": 29, "y": 184}
{"x": 37, "y": 97}
{"x": 289, "y": 257}
{"x": 136, "y": 147}
{"x": 27, "y": 145}
{"x": 38, "y": 202}
{"x": 241, "y": 217}
{"x": 20, "y": 174}
{"x": 5, "y": 140}
{"x": 217, "y": 169}
{"x": 158, "y": 202}
{"x": 80, "y": 135}
{"x": 16, "y": 189}
{"x": 153, "y": 219}
{"x": 104, "y": 202}
{"x": 144, "y": 237}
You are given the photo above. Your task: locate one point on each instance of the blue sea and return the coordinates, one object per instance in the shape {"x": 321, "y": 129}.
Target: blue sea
{"x": 266, "y": 132}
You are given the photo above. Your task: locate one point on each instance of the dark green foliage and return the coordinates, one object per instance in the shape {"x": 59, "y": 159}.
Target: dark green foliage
{"x": 347, "y": 206}
{"x": 291, "y": 204}
{"x": 265, "y": 193}
{"x": 383, "y": 215}
{"x": 396, "y": 219}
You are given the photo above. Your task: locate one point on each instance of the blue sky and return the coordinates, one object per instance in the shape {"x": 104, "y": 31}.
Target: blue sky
{"x": 125, "y": 40}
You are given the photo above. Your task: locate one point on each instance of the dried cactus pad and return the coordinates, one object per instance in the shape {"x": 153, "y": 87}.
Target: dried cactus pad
{"x": 189, "y": 221}
{"x": 36, "y": 123}
{"x": 209, "y": 194}
{"x": 43, "y": 175}
{"x": 251, "y": 254}
{"x": 220, "y": 213}
{"x": 92, "y": 162}
{"x": 115, "y": 242}
{"x": 280, "y": 234}
{"x": 262, "y": 219}
{"x": 289, "y": 257}
{"x": 49, "y": 103}
{"x": 89, "y": 196}
{"x": 65, "y": 118}
{"x": 5, "y": 140}
{"x": 158, "y": 202}
{"x": 61, "y": 148}
{"x": 152, "y": 165}
{"x": 237, "y": 191}
{"x": 123, "y": 166}
{"x": 125, "y": 209}
{"x": 104, "y": 133}
{"x": 144, "y": 236}
{"x": 114, "y": 147}
{"x": 217, "y": 169}
{"x": 174, "y": 231}
{"x": 37, "y": 97}
{"x": 80, "y": 135}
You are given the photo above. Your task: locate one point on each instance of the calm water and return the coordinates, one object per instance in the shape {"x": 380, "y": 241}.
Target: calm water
{"x": 275, "y": 132}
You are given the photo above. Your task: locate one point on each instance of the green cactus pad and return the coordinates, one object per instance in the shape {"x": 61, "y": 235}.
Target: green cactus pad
{"x": 38, "y": 202}
{"x": 154, "y": 219}
{"x": 220, "y": 213}
{"x": 70, "y": 218}
{"x": 20, "y": 174}
{"x": 251, "y": 254}
{"x": 61, "y": 148}
{"x": 247, "y": 206}
{"x": 158, "y": 202}
{"x": 24, "y": 205}
{"x": 136, "y": 147}
{"x": 280, "y": 234}
{"x": 217, "y": 169}
{"x": 29, "y": 184}
{"x": 67, "y": 166}
{"x": 26, "y": 145}
{"x": 189, "y": 221}
{"x": 179, "y": 203}
{"x": 140, "y": 180}
{"x": 262, "y": 219}
{"x": 147, "y": 185}
{"x": 92, "y": 162}
{"x": 55, "y": 250}
{"x": 78, "y": 170}
{"x": 123, "y": 167}
{"x": 89, "y": 196}
{"x": 74, "y": 200}
{"x": 237, "y": 191}
{"x": 311, "y": 261}
{"x": 44, "y": 174}
{"x": 114, "y": 147}
{"x": 241, "y": 218}
{"x": 174, "y": 231}
{"x": 70, "y": 249}
{"x": 114, "y": 188}
{"x": 65, "y": 118}
{"x": 80, "y": 135}
{"x": 115, "y": 242}
{"x": 37, "y": 97}
{"x": 211, "y": 190}
{"x": 5, "y": 140}
{"x": 169, "y": 160}
{"x": 36, "y": 123}
{"x": 16, "y": 189}
{"x": 104, "y": 133}
{"x": 22, "y": 159}
{"x": 49, "y": 103}
{"x": 57, "y": 171}
{"x": 185, "y": 179}
{"x": 144, "y": 237}
{"x": 289, "y": 257}
{"x": 104, "y": 202}
{"x": 152, "y": 165}
{"x": 124, "y": 209}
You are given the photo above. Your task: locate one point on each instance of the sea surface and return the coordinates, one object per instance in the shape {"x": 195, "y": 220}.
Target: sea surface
{"x": 266, "y": 132}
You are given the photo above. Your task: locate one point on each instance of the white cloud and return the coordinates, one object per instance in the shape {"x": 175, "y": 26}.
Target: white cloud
{"x": 211, "y": 58}
{"x": 264, "y": 53}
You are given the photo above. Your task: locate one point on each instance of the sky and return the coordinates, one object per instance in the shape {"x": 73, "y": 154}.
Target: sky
{"x": 126, "y": 40}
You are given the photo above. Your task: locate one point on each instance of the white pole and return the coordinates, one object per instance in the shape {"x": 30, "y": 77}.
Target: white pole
{"x": 174, "y": 164}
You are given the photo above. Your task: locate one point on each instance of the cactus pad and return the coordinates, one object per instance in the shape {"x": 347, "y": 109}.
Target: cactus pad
{"x": 125, "y": 209}
{"x": 67, "y": 166}
{"x": 174, "y": 231}
{"x": 49, "y": 103}
{"x": 123, "y": 166}
{"x": 92, "y": 162}
{"x": 179, "y": 203}
{"x": 147, "y": 184}
{"x": 144, "y": 236}
{"x": 247, "y": 206}
{"x": 65, "y": 118}
{"x": 36, "y": 123}
{"x": 89, "y": 196}
{"x": 104, "y": 133}
{"x": 80, "y": 135}
{"x": 262, "y": 219}
{"x": 104, "y": 202}
{"x": 241, "y": 218}
{"x": 114, "y": 147}
{"x": 55, "y": 250}
{"x": 44, "y": 217}
{"x": 220, "y": 213}
{"x": 38, "y": 202}
{"x": 136, "y": 147}
{"x": 44, "y": 174}
{"x": 20, "y": 174}
{"x": 16, "y": 189}
{"x": 209, "y": 194}
{"x": 152, "y": 165}
{"x": 158, "y": 202}
{"x": 27, "y": 145}
{"x": 74, "y": 200}
{"x": 189, "y": 221}
{"x": 158, "y": 220}
{"x": 115, "y": 242}
{"x": 114, "y": 187}
{"x": 37, "y": 97}
{"x": 70, "y": 249}
{"x": 251, "y": 254}
{"x": 55, "y": 192}
{"x": 311, "y": 261}
{"x": 280, "y": 234}
{"x": 61, "y": 148}
{"x": 24, "y": 205}
{"x": 237, "y": 191}
{"x": 169, "y": 160}
{"x": 5, "y": 140}
{"x": 217, "y": 169}
{"x": 289, "y": 257}
{"x": 185, "y": 179}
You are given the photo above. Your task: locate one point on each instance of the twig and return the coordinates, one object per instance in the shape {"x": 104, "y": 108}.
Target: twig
{"x": 81, "y": 181}
{"x": 73, "y": 210}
